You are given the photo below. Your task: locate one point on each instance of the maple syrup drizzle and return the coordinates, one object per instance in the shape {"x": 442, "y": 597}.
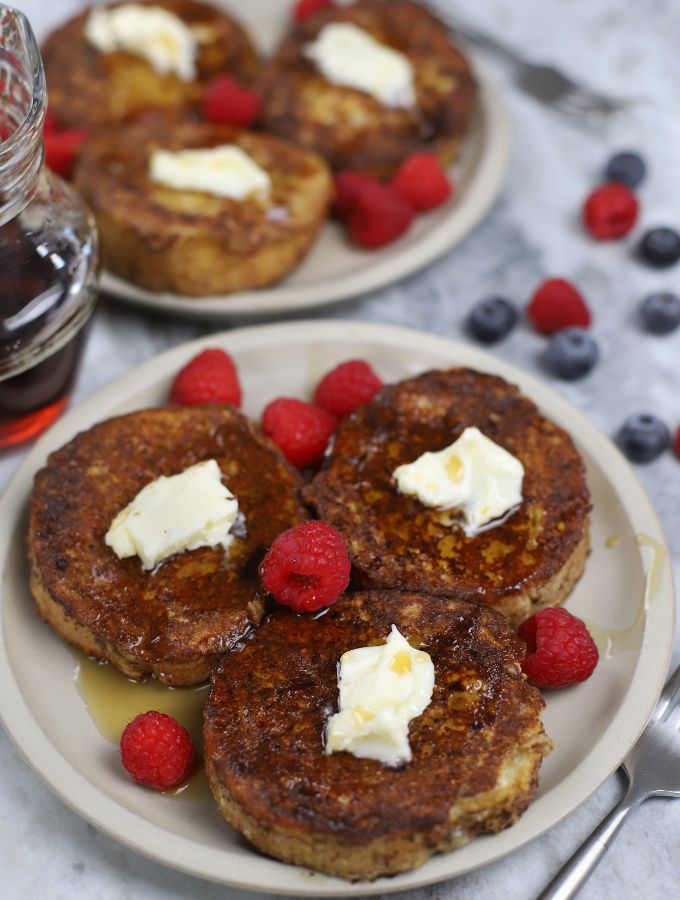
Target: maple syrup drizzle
{"x": 611, "y": 640}
{"x": 112, "y": 700}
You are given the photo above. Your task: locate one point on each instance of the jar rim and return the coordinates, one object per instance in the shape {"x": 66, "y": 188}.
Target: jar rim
{"x": 34, "y": 118}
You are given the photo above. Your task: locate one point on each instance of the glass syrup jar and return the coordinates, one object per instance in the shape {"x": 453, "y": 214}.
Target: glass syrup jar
{"x": 48, "y": 250}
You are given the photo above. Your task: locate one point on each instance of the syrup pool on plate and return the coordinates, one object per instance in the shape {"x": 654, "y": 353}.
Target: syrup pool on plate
{"x": 112, "y": 700}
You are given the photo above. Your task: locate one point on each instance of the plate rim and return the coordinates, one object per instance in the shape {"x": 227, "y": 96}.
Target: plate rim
{"x": 180, "y": 852}
{"x": 251, "y": 306}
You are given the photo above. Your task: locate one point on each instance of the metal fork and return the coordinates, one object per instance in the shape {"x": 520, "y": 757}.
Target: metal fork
{"x": 544, "y": 83}
{"x": 653, "y": 770}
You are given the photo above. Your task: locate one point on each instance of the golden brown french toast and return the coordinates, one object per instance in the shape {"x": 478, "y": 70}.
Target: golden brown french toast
{"x": 530, "y": 560}
{"x": 352, "y": 129}
{"x": 195, "y": 243}
{"x": 476, "y": 748}
{"x": 177, "y": 620}
{"x": 90, "y": 89}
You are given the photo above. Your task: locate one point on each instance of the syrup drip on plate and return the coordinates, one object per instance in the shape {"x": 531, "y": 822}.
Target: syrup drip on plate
{"x": 611, "y": 640}
{"x": 112, "y": 700}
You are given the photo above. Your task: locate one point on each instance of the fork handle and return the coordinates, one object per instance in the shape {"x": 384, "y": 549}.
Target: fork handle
{"x": 576, "y": 871}
{"x": 468, "y": 32}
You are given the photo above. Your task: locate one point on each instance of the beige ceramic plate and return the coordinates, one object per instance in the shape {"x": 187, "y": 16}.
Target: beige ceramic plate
{"x": 593, "y": 724}
{"x": 334, "y": 270}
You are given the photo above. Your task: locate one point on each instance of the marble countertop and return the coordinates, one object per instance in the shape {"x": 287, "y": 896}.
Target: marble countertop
{"x": 532, "y": 232}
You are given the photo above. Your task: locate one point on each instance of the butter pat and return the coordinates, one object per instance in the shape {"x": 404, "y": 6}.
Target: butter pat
{"x": 381, "y": 690}
{"x": 349, "y": 56}
{"x": 224, "y": 171}
{"x": 150, "y": 32}
{"x": 171, "y": 514}
{"x": 474, "y": 475}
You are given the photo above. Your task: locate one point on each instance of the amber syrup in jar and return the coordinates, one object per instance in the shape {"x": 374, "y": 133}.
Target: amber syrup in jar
{"x": 48, "y": 251}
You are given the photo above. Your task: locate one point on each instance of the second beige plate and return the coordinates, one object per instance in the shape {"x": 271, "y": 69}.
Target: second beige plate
{"x": 592, "y": 724}
{"x": 335, "y": 270}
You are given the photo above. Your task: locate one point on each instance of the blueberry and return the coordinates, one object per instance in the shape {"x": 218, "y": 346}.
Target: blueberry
{"x": 643, "y": 437}
{"x": 627, "y": 168}
{"x": 660, "y": 247}
{"x": 492, "y": 319}
{"x": 660, "y": 313}
{"x": 571, "y": 353}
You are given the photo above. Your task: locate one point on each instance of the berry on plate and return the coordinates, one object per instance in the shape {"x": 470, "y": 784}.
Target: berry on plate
{"x": 560, "y": 650}
{"x": 660, "y": 247}
{"x": 346, "y": 387}
{"x": 300, "y": 430}
{"x": 227, "y": 102}
{"x": 557, "y": 304}
{"x": 305, "y": 8}
{"x": 307, "y": 567}
{"x": 660, "y": 313}
{"x": 348, "y": 185}
{"x": 156, "y": 750}
{"x": 422, "y": 181}
{"x": 610, "y": 211}
{"x": 643, "y": 437}
{"x": 62, "y": 149}
{"x": 210, "y": 377}
{"x": 379, "y": 216}
{"x": 571, "y": 353}
{"x": 627, "y": 168}
{"x": 491, "y": 319}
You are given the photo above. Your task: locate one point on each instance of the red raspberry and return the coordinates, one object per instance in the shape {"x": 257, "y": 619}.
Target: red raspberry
{"x": 345, "y": 387}
{"x": 62, "y": 149}
{"x": 307, "y": 567}
{"x": 226, "y": 102}
{"x": 305, "y": 8}
{"x": 50, "y": 125}
{"x": 422, "y": 182}
{"x": 300, "y": 430}
{"x": 348, "y": 186}
{"x": 557, "y": 305}
{"x": 210, "y": 377}
{"x": 379, "y": 216}
{"x": 677, "y": 442}
{"x": 156, "y": 750}
{"x": 610, "y": 211}
{"x": 560, "y": 650}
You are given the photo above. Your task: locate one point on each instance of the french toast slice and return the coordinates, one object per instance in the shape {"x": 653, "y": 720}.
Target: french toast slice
{"x": 177, "y": 620}
{"x": 530, "y": 560}
{"x": 194, "y": 243}
{"x": 352, "y": 129}
{"x": 93, "y": 90}
{"x": 477, "y": 747}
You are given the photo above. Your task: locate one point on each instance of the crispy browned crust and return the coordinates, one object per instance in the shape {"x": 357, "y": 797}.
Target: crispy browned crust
{"x": 533, "y": 559}
{"x": 176, "y": 621}
{"x": 195, "y": 243}
{"x": 89, "y": 89}
{"x": 477, "y": 747}
{"x": 351, "y": 129}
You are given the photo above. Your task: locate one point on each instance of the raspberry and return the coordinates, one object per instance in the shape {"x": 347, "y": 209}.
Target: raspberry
{"x": 50, "y": 125}
{"x": 226, "y": 102}
{"x": 422, "y": 182}
{"x": 210, "y": 377}
{"x": 556, "y": 305}
{"x": 379, "y": 216}
{"x": 348, "y": 185}
{"x": 156, "y": 750}
{"x": 307, "y": 567}
{"x": 560, "y": 650}
{"x": 676, "y": 443}
{"x": 62, "y": 149}
{"x": 610, "y": 211}
{"x": 305, "y": 8}
{"x": 300, "y": 430}
{"x": 345, "y": 387}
